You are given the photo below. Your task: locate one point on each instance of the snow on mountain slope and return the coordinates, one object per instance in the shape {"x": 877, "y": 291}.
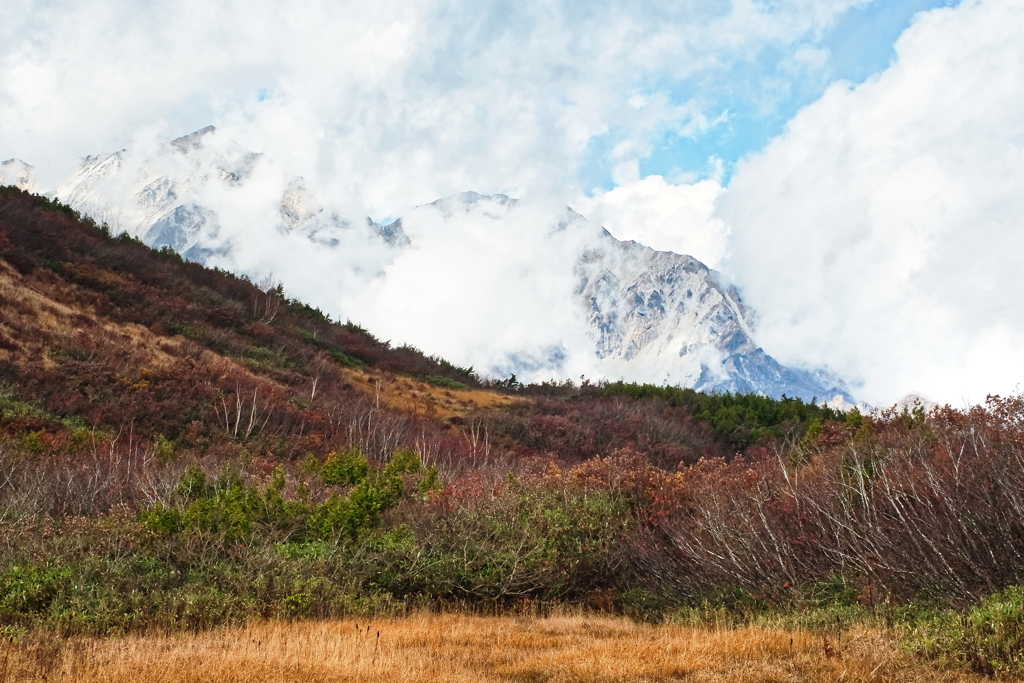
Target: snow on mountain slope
{"x": 219, "y": 204}
{"x": 504, "y": 285}
{"x": 17, "y": 173}
{"x": 667, "y": 317}
{"x": 160, "y": 199}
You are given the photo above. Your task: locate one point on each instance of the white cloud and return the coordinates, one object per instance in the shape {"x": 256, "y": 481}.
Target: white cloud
{"x": 883, "y": 233}
{"x": 663, "y": 216}
{"x": 487, "y": 285}
{"x": 385, "y": 105}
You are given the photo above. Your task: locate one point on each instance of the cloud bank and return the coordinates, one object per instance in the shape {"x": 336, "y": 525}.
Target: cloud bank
{"x": 880, "y": 235}
{"x": 393, "y": 104}
{"x": 663, "y": 216}
{"x": 883, "y": 233}
{"x": 490, "y": 282}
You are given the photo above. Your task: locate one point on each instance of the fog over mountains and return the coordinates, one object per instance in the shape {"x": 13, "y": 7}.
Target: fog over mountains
{"x": 530, "y": 288}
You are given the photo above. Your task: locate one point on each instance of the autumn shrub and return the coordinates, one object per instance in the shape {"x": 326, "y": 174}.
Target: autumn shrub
{"x": 533, "y": 536}
{"x": 180, "y": 447}
{"x": 898, "y": 508}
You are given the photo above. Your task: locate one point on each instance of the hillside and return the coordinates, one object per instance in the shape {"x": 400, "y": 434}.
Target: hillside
{"x": 515, "y": 287}
{"x": 181, "y": 448}
{"x": 104, "y": 333}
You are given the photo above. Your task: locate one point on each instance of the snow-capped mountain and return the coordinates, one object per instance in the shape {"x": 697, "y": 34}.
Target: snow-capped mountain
{"x": 17, "y": 173}
{"x": 656, "y": 309}
{"x": 504, "y": 285}
{"x": 180, "y": 194}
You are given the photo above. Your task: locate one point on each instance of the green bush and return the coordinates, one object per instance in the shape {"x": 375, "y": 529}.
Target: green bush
{"x": 404, "y": 461}
{"x": 161, "y": 521}
{"x": 739, "y": 419}
{"x": 335, "y": 517}
{"x": 430, "y": 483}
{"x": 30, "y": 589}
{"x": 521, "y": 542}
{"x": 233, "y": 510}
{"x": 163, "y": 448}
{"x": 346, "y": 360}
{"x": 989, "y": 639}
{"x": 192, "y": 483}
{"x": 445, "y": 382}
{"x": 345, "y": 468}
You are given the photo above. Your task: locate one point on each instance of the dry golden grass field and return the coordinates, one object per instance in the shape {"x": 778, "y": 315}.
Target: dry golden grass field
{"x": 455, "y": 648}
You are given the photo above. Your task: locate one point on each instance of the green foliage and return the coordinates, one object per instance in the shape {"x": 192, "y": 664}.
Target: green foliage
{"x": 814, "y": 429}
{"x": 226, "y": 550}
{"x": 739, "y": 419}
{"x": 161, "y": 521}
{"x": 33, "y": 442}
{"x": 914, "y": 417}
{"x": 232, "y": 510}
{"x": 403, "y": 461}
{"x": 371, "y": 497}
{"x": 524, "y": 541}
{"x": 509, "y": 383}
{"x": 13, "y": 410}
{"x": 163, "y": 449}
{"x": 346, "y": 360}
{"x": 854, "y": 420}
{"x": 468, "y": 374}
{"x": 336, "y": 517}
{"x": 126, "y": 239}
{"x": 351, "y": 517}
{"x": 229, "y": 513}
{"x": 33, "y": 588}
{"x": 444, "y": 382}
{"x": 261, "y": 358}
{"x": 168, "y": 254}
{"x": 988, "y": 639}
{"x": 80, "y": 439}
{"x": 344, "y": 468}
{"x": 430, "y": 483}
{"x": 193, "y": 484}
{"x": 309, "y": 312}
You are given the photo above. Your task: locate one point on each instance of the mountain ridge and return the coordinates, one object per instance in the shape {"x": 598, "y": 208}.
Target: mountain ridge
{"x": 642, "y": 315}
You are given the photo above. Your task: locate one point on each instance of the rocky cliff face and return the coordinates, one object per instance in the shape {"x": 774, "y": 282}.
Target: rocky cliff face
{"x": 644, "y": 315}
{"x": 663, "y": 317}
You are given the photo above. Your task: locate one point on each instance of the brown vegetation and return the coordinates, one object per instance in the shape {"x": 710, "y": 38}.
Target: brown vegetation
{"x": 452, "y": 648}
{"x": 908, "y": 505}
{"x": 118, "y": 338}
{"x": 426, "y": 400}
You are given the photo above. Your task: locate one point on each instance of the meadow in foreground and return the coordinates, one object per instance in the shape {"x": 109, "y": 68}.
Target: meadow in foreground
{"x": 464, "y": 648}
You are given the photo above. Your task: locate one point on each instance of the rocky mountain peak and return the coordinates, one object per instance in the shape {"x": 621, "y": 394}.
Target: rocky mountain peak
{"x": 17, "y": 173}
